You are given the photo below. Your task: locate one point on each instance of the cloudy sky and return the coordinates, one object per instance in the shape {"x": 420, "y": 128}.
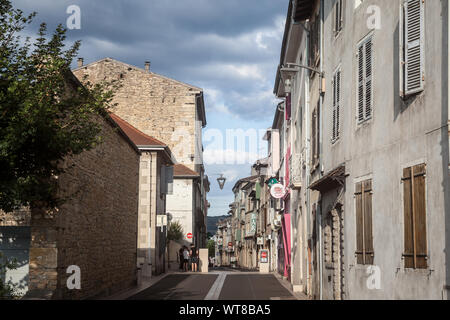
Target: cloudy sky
{"x": 230, "y": 48}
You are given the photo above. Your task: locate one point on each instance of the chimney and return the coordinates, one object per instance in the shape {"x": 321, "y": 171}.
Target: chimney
{"x": 80, "y": 62}
{"x": 147, "y": 66}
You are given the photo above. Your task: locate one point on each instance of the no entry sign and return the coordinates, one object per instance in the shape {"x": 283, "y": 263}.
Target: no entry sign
{"x": 264, "y": 256}
{"x": 189, "y": 235}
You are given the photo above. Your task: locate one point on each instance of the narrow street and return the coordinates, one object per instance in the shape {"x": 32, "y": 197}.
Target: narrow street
{"x": 217, "y": 285}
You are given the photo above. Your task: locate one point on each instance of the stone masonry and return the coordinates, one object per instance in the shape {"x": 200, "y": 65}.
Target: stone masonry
{"x": 95, "y": 229}
{"x": 158, "y": 106}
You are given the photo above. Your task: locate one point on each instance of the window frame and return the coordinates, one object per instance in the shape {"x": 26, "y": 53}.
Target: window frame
{"x": 364, "y": 252}
{"x": 336, "y": 138}
{"x": 403, "y": 43}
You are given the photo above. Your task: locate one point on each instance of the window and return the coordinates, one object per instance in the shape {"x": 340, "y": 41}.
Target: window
{"x": 364, "y": 239}
{"x": 315, "y": 134}
{"x": 413, "y": 57}
{"x": 365, "y": 79}
{"x": 414, "y": 207}
{"x": 338, "y": 17}
{"x": 314, "y": 42}
{"x": 336, "y": 104}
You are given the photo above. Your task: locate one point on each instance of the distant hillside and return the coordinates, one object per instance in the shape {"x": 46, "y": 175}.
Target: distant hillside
{"x": 212, "y": 223}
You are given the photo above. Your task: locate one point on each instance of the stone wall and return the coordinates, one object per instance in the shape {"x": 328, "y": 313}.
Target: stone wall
{"x": 97, "y": 228}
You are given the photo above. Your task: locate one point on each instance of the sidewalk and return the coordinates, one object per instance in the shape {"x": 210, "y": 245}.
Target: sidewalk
{"x": 288, "y": 286}
{"x": 145, "y": 284}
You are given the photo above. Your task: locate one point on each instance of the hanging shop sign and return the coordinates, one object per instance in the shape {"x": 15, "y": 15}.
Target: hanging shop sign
{"x": 272, "y": 182}
{"x": 278, "y": 191}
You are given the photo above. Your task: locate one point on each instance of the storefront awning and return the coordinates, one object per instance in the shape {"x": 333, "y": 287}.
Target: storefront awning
{"x": 332, "y": 180}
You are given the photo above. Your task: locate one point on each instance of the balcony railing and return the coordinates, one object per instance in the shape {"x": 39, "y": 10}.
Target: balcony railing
{"x": 296, "y": 171}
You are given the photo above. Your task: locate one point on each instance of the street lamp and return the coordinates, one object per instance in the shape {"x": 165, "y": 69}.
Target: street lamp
{"x": 289, "y": 70}
{"x": 221, "y": 180}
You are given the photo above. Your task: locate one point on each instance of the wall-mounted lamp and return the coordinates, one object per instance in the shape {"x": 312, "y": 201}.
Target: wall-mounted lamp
{"x": 221, "y": 180}
{"x": 289, "y": 70}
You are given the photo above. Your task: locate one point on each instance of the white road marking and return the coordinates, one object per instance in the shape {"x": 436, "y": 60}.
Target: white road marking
{"x": 216, "y": 288}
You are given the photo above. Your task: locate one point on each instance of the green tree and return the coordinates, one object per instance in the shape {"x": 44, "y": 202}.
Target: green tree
{"x": 7, "y": 290}
{"x": 45, "y": 113}
{"x": 211, "y": 248}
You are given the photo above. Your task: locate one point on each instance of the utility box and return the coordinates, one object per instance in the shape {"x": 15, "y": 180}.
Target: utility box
{"x": 264, "y": 261}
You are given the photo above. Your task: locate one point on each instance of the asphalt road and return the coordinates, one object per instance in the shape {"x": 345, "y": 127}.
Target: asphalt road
{"x": 219, "y": 285}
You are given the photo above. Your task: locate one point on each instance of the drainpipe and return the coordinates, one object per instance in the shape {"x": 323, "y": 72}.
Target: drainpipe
{"x": 308, "y": 155}
{"x": 321, "y": 144}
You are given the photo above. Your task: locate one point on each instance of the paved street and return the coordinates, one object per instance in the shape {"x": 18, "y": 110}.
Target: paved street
{"x": 217, "y": 285}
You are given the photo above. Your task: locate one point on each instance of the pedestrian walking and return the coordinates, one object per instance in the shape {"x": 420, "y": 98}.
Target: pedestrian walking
{"x": 194, "y": 258}
{"x": 185, "y": 258}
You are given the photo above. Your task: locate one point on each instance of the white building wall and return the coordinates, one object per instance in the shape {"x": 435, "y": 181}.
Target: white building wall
{"x": 179, "y": 204}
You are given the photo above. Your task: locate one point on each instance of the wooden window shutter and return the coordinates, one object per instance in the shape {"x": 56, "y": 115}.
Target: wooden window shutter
{"x": 364, "y": 235}
{"x": 414, "y": 46}
{"x": 415, "y": 235}
{"x": 368, "y": 236}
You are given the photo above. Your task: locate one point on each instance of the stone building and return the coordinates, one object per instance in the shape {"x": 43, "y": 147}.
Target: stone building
{"x": 170, "y": 111}
{"x": 223, "y": 238}
{"x": 155, "y": 185}
{"x": 95, "y": 229}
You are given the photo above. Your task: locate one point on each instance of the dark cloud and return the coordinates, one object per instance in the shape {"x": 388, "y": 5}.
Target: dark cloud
{"x": 229, "y": 46}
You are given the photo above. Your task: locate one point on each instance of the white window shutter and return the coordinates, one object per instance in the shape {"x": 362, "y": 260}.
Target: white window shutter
{"x": 368, "y": 78}
{"x": 361, "y": 83}
{"x": 414, "y": 46}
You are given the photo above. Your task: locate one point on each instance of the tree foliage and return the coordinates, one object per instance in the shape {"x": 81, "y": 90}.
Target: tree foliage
{"x": 211, "y": 248}
{"x": 175, "y": 231}
{"x": 45, "y": 113}
{"x": 7, "y": 290}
